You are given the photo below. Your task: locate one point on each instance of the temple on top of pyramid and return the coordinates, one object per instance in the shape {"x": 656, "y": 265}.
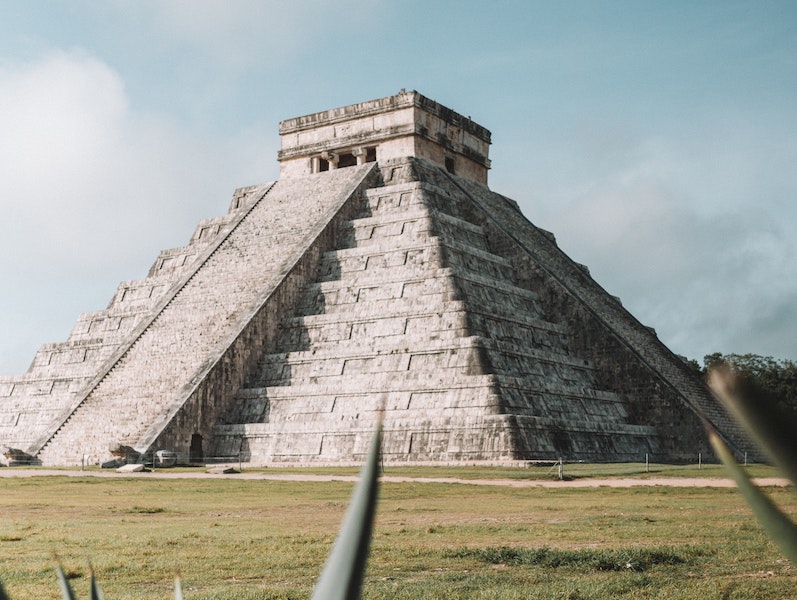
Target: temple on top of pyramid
{"x": 407, "y": 124}
{"x": 378, "y": 276}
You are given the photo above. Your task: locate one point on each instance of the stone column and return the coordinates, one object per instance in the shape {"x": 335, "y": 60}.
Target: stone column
{"x": 332, "y": 159}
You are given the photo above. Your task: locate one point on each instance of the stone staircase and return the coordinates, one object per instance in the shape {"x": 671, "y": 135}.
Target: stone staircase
{"x": 412, "y": 315}
{"x": 196, "y": 320}
{"x": 287, "y": 326}
{"x": 539, "y": 247}
{"x": 37, "y": 401}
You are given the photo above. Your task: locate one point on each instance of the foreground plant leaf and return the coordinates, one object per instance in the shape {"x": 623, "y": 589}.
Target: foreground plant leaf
{"x": 343, "y": 573}
{"x": 66, "y": 589}
{"x": 772, "y": 428}
{"x": 96, "y": 593}
{"x": 778, "y": 526}
{"x": 3, "y": 593}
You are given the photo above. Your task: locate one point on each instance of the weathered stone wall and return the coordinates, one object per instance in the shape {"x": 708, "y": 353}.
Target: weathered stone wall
{"x": 378, "y": 329}
{"x": 214, "y": 393}
{"x": 635, "y": 359}
{"x": 152, "y": 376}
{"x": 33, "y": 405}
{"x": 430, "y": 311}
{"x": 407, "y": 124}
{"x": 286, "y": 327}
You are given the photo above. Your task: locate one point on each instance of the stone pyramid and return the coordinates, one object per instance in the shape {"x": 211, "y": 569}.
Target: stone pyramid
{"x": 379, "y": 274}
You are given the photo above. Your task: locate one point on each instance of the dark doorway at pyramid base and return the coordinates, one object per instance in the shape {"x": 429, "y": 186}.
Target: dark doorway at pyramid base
{"x": 195, "y": 452}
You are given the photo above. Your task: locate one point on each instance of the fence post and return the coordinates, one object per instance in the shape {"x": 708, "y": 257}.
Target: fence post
{"x": 561, "y": 474}
{"x": 699, "y": 460}
{"x": 647, "y": 463}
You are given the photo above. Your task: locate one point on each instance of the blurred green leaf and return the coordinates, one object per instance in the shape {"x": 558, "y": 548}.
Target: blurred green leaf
{"x": 778, "y": 526}
{"x": 343, "y": 573}
{"x": 66, "y": 589}
{"x": 96, "y": 593}
{"x": 772, "y": 428}
{"x": 3, "y": 593}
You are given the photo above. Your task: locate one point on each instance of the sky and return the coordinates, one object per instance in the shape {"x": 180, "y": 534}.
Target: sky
{"x": 657, "y": 140}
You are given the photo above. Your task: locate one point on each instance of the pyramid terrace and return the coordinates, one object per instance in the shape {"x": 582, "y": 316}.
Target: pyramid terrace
{"x": 378, "y": 276}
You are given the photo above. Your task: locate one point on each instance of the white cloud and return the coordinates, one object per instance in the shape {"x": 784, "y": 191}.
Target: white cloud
{"x": 707, "y": 279}
{"x": 237, "y": 35}
{"x": 92, "y": 190}
{"x": 56, "y": 117}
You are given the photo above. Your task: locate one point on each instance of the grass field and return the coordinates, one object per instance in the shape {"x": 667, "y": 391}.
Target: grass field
{"x": 237, "y": 539}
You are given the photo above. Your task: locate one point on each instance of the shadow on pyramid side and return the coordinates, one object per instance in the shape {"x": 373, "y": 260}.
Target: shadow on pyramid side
{"x": 378, "y": 275}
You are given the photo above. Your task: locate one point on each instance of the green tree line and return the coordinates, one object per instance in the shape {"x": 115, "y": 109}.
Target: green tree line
{"x": 777, "y": 378}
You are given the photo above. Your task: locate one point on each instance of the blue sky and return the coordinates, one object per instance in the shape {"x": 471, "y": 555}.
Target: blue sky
{"x": 657, "y": 140}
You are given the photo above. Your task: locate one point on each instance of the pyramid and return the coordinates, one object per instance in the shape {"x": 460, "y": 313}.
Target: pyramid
{"x": 378, "y": 276}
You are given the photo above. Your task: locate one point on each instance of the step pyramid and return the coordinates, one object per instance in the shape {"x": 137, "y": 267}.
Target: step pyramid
{"x": 378, "y": 276}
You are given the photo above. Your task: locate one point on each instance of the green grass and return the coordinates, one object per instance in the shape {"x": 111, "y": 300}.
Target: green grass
{"x": 237, "y": 539}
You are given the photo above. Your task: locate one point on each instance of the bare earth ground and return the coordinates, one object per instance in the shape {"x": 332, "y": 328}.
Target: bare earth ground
{"x": 619, "y": 482}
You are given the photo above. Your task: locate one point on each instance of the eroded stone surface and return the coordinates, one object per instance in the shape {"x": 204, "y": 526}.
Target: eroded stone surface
{"x": 284, "y": 328}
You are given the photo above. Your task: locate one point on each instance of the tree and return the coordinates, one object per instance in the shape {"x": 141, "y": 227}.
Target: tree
{"x": 775, "y": 377}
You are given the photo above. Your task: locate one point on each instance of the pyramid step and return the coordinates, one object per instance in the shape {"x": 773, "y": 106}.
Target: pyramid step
{"x": 415, "y": 402}
{"x": 369, "y": 332}
{"x": 108, "y": 324}
{"x": 409, "y": 213}
{"x": 430, "y": 380}
{"x": 71, "y": 352}
{"x": 434, "y": 381}
{"x": 141, "y": 293}
{"x": 461, "y": 256}
{"x": 414, "y": 264}
{"x": 519, "y": 330}
{"x": 482, "y": 293}
{"x": 397, "y": 283}
{"x": 298, "y": 366}
{"x": 368, "y": 301}
{"x": 388, "y": 246}
{"x": 537, "y": 354}
{"x": 373, "y": 309}
{"x": 352, "y": 262}
{"x": 400, "y": 229}
{"x": 357, "y": 351}
{"x": 392, "y": 198}
{"x": 381, "y": 255}
{"x": 406, "y": 228}
{"x": 527, "y": 387}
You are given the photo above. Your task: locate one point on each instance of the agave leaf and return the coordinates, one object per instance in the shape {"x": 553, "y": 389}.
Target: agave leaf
{"x": 770, "y": 427}
{"x": 66, "y": 589}
{"x": 178, "y": 589}
{"x": 96, "y": 592}
{"x": 343, "y": 573}
{"x": 3, "y": 595}
{"x": 778, "y": 526}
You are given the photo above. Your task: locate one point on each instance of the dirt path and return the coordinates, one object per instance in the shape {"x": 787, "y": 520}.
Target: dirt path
{"x": 619, "y": 482}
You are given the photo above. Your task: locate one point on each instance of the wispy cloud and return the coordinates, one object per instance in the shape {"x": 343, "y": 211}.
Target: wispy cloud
{"x": 709, "y": 275}
{"x": 93, "y": 189}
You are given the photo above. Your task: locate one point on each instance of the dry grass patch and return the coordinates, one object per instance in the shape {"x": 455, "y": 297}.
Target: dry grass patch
{"x": 237, "y": 539}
